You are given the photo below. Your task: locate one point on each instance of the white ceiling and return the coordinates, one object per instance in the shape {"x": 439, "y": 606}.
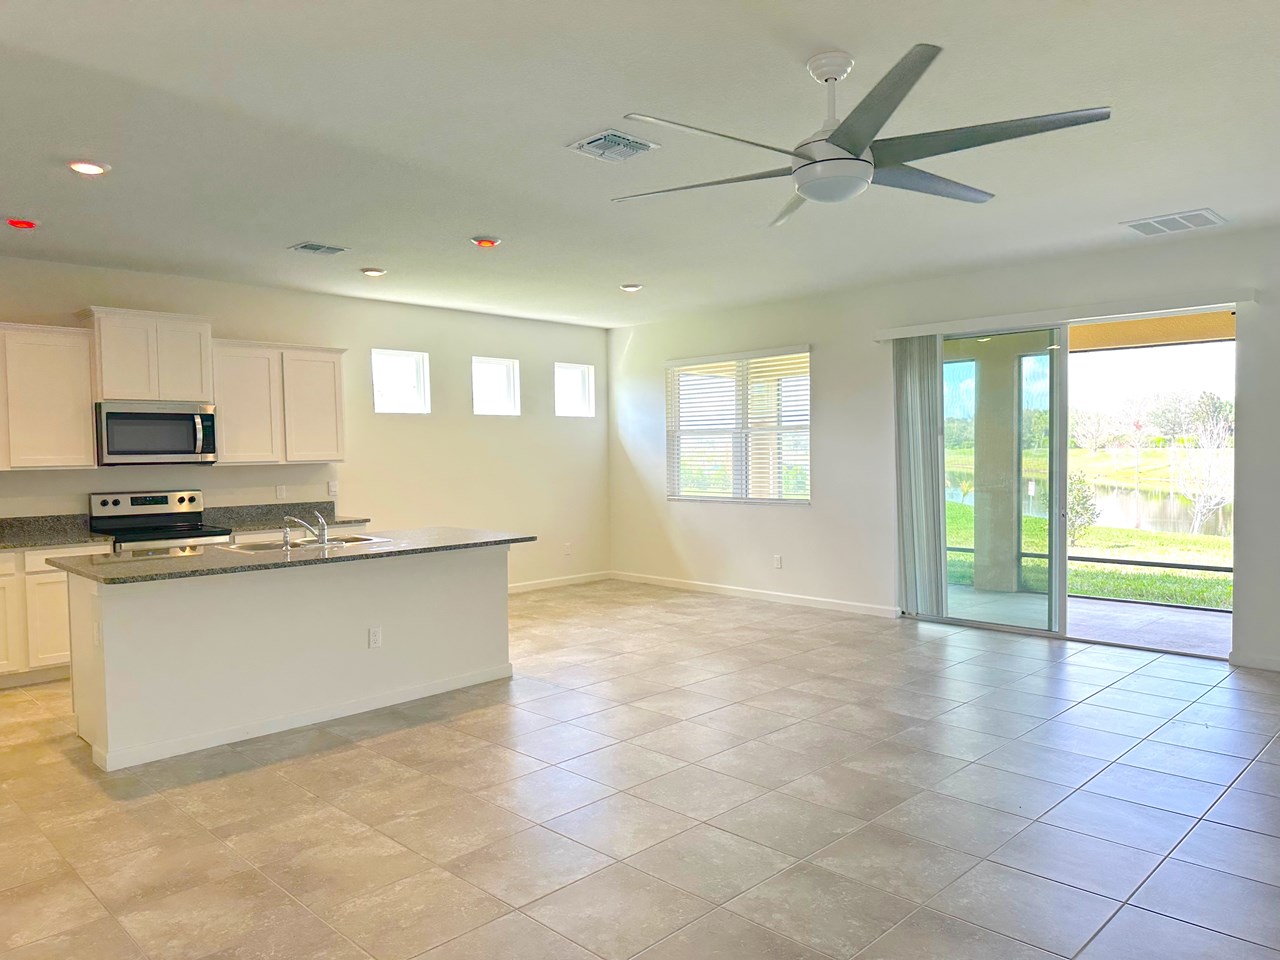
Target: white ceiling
{"x": 399, "y": 128}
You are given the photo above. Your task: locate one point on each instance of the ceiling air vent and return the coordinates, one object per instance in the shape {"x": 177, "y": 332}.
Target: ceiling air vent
{"x": 612, "y": 145}
{"x": 1175, "y": 222}
{"x": 319, "y": 249}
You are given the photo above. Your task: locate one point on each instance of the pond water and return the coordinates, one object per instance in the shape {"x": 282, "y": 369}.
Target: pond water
{"x": 1129, "y": 509}
{"x": 1151, "y": 510}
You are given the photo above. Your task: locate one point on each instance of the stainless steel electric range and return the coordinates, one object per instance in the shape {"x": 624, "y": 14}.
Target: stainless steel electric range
{"x": 153, "y": 520}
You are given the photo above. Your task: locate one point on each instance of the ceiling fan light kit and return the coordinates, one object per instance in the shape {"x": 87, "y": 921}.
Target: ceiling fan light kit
{"x": 845, "y": 157}
{"x": 833, "y": 175}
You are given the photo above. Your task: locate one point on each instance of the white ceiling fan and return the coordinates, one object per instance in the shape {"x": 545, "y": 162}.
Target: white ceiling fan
{"x": 843, "y": 158}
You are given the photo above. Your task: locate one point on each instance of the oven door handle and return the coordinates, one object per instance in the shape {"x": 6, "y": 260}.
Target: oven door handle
{"x": 199, "y": 433}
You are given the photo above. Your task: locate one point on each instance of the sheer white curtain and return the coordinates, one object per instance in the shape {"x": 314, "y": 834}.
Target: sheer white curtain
{"x": 922, "y": 564}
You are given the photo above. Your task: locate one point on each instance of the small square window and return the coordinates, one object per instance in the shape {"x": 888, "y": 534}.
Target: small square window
{"x": 401, "y": 382}
{"x": 495, "y": 387}
{"x": 575, "y": 390}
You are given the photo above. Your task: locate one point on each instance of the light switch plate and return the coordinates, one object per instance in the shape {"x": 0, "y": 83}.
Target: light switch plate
{"x": 333, "y": 488}
{"x": 281, "y": 493}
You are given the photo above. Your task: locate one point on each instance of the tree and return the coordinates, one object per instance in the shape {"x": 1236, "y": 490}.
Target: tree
{"x": 1205, "y": 468}
{"x": 1171, "y": 416}
{"x": 958, "y": 433}
{"x": 1093, "y": 429}
{"x": 1203, "y": 431}
{"x": 1082, "y": 506}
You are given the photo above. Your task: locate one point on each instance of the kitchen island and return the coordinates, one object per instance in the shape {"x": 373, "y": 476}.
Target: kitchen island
{"x": 216, "y": 644}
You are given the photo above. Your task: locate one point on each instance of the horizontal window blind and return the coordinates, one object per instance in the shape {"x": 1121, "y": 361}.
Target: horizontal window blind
{"x": 738, "y": 428}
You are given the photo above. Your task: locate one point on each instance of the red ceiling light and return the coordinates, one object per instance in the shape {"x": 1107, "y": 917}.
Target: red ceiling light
{"x": 19, "y": 224}
{"x": 486, "y": 242}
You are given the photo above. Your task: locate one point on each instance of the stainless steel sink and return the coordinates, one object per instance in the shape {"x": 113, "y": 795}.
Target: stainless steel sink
{"x": 278, "y": 547}
{"x": 265, "y": 547}
{"x": 343, "y": 540}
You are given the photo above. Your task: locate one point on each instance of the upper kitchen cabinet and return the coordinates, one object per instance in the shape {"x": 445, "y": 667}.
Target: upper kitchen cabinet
{"x": 249, "y": 396}
{"x": 47, "y": 401}
{"x": 313, "y": 427}
{"x": 142, "y": 355}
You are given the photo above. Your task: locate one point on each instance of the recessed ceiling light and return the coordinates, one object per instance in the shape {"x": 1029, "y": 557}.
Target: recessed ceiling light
{"x": 983, "y": 339}
{"x": 486, "y": 242}
{"x": 19, "y": 224}
{"x": 89, "y": 168}
{"x": 373, "y": 271}
{"x": 631, "y": 287}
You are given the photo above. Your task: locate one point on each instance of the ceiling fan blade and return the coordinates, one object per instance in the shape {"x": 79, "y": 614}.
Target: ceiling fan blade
{"x": 917, "y": 146}
{"x": 746, "y": 178}
{"x": 794, "y": 204}
{"x": 860, "y": 127}
{"x": 712, "y": 133}
{"x": 921, "y": 181}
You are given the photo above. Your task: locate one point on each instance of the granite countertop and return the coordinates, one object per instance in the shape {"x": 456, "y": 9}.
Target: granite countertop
{"x": 33, "y": 533}
{"x": 215, "y": 560}
{"x": 71, "y": 529}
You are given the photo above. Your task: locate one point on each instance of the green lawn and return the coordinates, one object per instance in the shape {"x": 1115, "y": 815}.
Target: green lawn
{"x": 1111, "y": 580}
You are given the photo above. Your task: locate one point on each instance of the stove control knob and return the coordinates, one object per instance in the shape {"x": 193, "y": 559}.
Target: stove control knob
{"x": 115, "y": 503}
{"x": 182, "y": 499}
{"x": 103, "y": 503}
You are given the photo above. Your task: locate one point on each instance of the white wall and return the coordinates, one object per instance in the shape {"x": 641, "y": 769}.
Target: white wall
{"x": 833, "y": 549}
{"x": 535, "y": 474}
{"x": 842, "y": 548}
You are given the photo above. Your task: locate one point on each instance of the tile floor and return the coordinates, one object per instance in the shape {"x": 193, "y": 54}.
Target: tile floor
{"x": 681, "y": 777}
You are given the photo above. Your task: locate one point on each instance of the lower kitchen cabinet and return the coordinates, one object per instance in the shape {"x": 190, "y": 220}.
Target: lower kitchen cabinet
{"x": 35, "y": 631}
{"x": 48, "y": 620}
{"x": 12, "y": 629}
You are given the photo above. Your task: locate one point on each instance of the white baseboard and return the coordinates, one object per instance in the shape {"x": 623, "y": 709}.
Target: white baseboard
{"x": 1255, "y": 661}
{"x": 824, "y": 603}
{"x": 528, "y": 585}
{"x": 24, "y": 678}
{"x": 162, "y": 749}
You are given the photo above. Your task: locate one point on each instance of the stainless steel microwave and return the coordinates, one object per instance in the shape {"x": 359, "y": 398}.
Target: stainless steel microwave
{"x": 150, "y": 432}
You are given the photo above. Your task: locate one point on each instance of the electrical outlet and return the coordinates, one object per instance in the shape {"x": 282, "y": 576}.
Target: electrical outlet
{"x": 375, "y": 638}
{"x": 333, "y": 488}
{"x": 777, "y": 561}
{"x": 568, "y": 549}
{"x": 281, "y": 493}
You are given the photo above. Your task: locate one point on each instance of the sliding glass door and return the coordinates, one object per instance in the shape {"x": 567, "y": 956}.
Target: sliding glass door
{"x": 1002, "y": 429}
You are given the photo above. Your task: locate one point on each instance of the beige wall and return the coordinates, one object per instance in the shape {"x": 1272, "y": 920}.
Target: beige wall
{"x": 839, "y": 547}
{"x": 535, "y": 474}
{"x": 842, "y": 548}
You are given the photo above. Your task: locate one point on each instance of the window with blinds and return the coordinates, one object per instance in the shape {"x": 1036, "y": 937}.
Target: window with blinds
{"x": 738, "y": 427}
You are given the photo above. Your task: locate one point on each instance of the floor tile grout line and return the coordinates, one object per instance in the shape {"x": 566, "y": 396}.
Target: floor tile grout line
{"x": 900, "y": 683}
{"x": 1164, "y": 859}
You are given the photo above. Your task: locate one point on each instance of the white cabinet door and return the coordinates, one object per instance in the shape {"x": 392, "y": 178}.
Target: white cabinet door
{"x": 48, "y": 620}
{"x": 250, "y": 402}
{"x": 184, "y": 353}
{"x": 11, "y": 632}
{"x": 48, "y": 386}
{"x": 128, "y": 357}
{"x": 313, "y": 428}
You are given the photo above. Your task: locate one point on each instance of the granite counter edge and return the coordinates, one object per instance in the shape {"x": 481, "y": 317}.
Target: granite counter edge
{"x": 77, "y": 566}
